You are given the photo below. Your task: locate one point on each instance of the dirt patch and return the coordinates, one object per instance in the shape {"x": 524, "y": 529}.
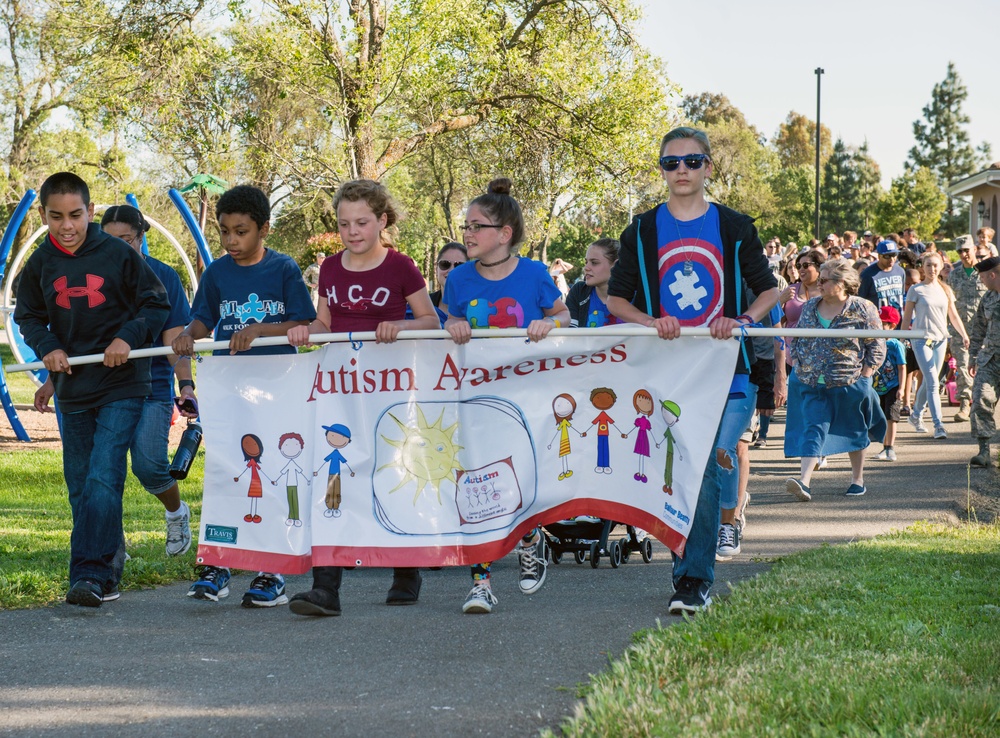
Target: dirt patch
{"x": 982, "y": 501}
{"x": 44, "y": 431}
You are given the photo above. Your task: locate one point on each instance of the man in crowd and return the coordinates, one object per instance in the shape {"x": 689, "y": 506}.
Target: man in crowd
{"x": 912, "y": 241}
{"x": 969, "y": 290}
{"x": 984, "y": 361}
{"x": 882, "y": 282}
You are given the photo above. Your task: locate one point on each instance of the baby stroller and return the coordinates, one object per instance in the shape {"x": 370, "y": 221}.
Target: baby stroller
{"x": 587, "y": 537}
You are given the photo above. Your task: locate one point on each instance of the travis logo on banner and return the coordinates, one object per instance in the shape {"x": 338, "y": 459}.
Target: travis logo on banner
{"x": 423, "y": 453}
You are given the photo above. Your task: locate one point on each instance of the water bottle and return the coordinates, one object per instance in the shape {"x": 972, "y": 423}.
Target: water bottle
{"x": 186, "y": 450}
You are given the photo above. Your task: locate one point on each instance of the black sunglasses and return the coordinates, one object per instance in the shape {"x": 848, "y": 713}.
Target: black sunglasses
{"x": 444, "y": 265}
{"x": 691, "y": 161}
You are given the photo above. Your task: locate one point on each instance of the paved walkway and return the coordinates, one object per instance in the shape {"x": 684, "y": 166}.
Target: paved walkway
{"x": 157, "y": 664}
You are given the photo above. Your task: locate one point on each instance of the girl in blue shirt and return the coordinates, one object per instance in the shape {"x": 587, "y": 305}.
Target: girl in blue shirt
{"x": 498, "y": 289}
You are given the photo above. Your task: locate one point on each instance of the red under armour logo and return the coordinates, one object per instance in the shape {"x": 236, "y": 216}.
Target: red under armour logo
{"x": 92, "y": 291}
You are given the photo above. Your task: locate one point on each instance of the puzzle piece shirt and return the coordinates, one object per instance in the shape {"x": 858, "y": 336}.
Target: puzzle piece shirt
{"x": 512, "y": 302}
{"x": 230, "y": 297}
{"x": 691, "y": 267}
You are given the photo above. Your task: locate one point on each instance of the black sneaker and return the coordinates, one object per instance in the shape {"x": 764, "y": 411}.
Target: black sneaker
{"x": 691, "y": 596}
{"x": 85, "y": 593}
{"x": 315, "y": 602}
{"x": 111, "y": 593}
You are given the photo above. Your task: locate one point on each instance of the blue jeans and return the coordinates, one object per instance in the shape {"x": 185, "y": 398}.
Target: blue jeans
{"x": 930, "y": 359}
{"x": 150, "y": 462}
{"x": 698, "y": 561}
{"x": 95, "y": 444}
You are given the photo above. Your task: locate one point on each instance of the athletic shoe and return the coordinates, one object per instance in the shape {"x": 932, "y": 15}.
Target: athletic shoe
{"x": 690, "y": 595}
{"x": 480, "y": 600}
{"x": 85, "y": 593}
{"x": 890, "y": 454}
{"x": 316, "y": 601}
{"x": 761, "y": 442}
{"x": 821, "y": 463}
{"x": 940, "y": 432}
{"x": 795, "y": 487}
{"x": 111, "y": 593}
{"x": 533, "y": 565}
{"x": 882, "y": 455}
{"x": 266, "y": 590}
{"x": 917, "y": 422}
{"x": 729, "y": 542}
{"x": 212, "y": 584}
{"x": 179, "y": 532}
{"x": 856, "y": 490}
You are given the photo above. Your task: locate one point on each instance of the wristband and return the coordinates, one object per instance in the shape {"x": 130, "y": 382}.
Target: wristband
{"x": 746, "y": 317}
{"x": 554, "y": 320}
{"x": 182, "y": 383}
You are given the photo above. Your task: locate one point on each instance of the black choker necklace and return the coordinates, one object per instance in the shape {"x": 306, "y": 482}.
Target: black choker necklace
{"x": 495, "y": 263}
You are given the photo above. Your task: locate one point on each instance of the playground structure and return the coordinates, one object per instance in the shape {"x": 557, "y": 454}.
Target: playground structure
{"x": 8, "y": 274}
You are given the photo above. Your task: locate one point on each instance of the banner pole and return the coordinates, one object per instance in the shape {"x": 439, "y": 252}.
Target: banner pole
{"x": 201, "y": 347}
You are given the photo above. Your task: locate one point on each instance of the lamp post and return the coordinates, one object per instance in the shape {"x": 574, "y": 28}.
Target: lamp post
{"x": 819, "y": 72}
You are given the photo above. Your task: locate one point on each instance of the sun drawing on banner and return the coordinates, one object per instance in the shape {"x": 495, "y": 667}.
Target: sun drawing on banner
{"x": 427, "y": 453}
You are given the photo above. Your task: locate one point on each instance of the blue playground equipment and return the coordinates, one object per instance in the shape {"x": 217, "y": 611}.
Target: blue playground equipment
{"x": 8, "y": 273}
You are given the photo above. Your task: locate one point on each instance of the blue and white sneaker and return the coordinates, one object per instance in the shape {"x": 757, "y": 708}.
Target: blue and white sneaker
{"x": 266, "y": 590}
{"x": 212, "y": 584}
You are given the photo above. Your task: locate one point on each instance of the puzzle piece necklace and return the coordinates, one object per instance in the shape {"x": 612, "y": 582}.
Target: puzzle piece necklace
{"x": 688, "y": 264}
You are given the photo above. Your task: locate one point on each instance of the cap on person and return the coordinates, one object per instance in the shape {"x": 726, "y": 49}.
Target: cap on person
{"x": 338, "y": 428}
{"x": 987, "y": 264}
{"x": 889, "y": 314}
{"x": 866, "y": 234}
{"x": 964, "y": 243}
{"x": 887, "y": 247}
{"x": 832, "y": 237}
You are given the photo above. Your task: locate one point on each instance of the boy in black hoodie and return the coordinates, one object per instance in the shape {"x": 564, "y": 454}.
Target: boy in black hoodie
{"x": 85, "y": 292}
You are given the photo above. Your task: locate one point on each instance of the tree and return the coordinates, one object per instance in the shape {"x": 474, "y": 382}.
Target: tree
{"x": 795, "y": 142}
{"x": 913, "y": 201}
{"x": 710, "y": 108}
{"x": 943, "y": 146}
{"x": 795, "y": 197}
{"x": 869, "y": 180}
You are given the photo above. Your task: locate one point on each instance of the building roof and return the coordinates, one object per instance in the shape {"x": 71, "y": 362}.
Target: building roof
{"x": 989, "y": 177}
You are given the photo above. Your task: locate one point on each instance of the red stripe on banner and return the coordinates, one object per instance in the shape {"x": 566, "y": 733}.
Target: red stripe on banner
{"x": 430, "y": 555}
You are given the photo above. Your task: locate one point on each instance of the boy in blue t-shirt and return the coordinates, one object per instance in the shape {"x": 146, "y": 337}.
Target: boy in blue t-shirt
{"x": 889, "y": 381}
{"x": 248, "y": 293}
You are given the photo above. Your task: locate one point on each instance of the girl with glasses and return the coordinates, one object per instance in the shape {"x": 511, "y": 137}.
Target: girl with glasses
{"x": 516, "y": 293}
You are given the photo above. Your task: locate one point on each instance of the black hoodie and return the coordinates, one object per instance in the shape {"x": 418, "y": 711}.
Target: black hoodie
{"x": 80, "y": 303}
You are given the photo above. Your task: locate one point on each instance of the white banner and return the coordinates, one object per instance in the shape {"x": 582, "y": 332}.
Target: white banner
{"x": 424, "y": 453}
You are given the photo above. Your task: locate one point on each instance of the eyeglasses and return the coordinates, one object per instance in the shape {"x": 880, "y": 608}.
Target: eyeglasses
{"x": 824, "y": 280}
{"x": 691, "y": 161}
{"x": 476, "y": 227}
{"x": 131, "y": 241}
{"x": 803, "y": 264}
{"x": 888, "y": 256}
{"x": 444, "y": 265}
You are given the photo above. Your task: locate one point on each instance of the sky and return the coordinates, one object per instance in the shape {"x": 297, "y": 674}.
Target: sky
{"x": 881, "y": 60}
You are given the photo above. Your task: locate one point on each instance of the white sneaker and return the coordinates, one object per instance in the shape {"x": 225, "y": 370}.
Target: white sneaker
{"x": 940, "y": 432}
{"x": 179, "y": 532}
{"x": 533, "y": 565}
{"x": 917, "y": 423}
{"x": 480, "y": 600}
{"x": 882, "y": 455}
{"x": 890, "y": 454}
{"x": 822, "y": 463}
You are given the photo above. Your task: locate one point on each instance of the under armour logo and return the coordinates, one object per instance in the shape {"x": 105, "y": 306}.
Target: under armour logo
{"x": 92, "y": 291}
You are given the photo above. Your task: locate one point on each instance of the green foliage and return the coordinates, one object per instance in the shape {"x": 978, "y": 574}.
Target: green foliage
{"x": 795, "y": 142}
{"x": 943, "y": 145}
{"x": 35, "y": 526}
{"x": 913, "y": 201}
{"x": 795, "y": 198}
{"x": 851, "y": 640}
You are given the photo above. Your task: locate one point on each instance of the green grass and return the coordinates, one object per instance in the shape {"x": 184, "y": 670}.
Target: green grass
{"x": 35, "y": 525}
{"x": 896, "y": 636}
{"x": 22, "y": 389}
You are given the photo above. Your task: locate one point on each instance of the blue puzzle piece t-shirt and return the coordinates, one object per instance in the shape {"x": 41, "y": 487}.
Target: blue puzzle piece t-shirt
{"x": 231, "y": 297}
{"x": 690, "y": 267}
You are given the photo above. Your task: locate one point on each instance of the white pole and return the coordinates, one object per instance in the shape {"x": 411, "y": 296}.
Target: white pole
{"x": 627, "y": 330}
